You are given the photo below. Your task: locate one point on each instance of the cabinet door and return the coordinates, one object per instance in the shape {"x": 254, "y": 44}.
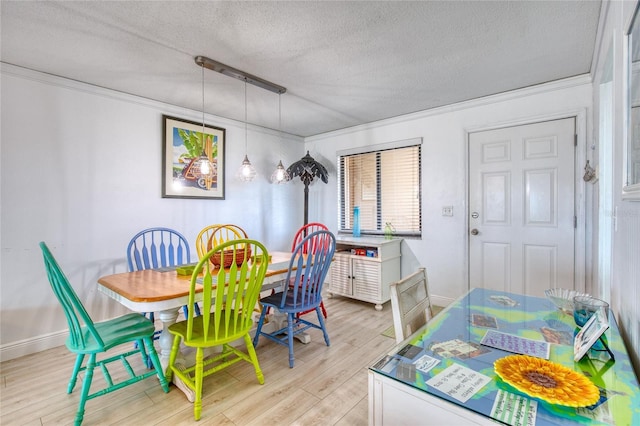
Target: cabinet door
{"x": 366, "y": 279}
{"x": 340, "y": 275}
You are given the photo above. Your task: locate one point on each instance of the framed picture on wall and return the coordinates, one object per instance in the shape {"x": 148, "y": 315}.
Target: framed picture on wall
{"x": 192, "y": 159}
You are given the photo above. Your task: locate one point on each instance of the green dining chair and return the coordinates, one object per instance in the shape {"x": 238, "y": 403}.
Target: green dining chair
{"x": 228, "y": 298}
{"x": 89, "y": 338}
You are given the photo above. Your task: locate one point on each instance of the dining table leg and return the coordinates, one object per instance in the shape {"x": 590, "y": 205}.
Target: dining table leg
{"x": 168, "y": 317}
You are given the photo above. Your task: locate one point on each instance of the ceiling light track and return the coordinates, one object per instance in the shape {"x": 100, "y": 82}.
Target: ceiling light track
{"x": 240, "y": 75}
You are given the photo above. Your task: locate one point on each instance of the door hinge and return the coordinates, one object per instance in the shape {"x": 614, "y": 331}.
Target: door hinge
{"x": 575, "y": 140}
{"x": 575, "y": 222}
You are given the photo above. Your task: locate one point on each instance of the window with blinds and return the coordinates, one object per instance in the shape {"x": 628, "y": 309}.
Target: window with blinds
{"x": 386, "y": 185}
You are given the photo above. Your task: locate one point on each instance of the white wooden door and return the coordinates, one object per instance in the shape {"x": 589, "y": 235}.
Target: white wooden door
{"x": 522, "y": 207}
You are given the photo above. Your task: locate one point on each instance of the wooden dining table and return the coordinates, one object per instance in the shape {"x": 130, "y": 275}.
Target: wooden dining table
{"x": 164, "y": 291}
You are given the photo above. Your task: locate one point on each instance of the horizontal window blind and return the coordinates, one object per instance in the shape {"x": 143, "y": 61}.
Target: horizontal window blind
{"x": 386, "y": 186}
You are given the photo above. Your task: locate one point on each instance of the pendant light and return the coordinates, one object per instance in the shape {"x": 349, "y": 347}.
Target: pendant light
{"x": 280, "y": 175}
{"x": 205, "y": 168}
{"x": 246, "y": 172}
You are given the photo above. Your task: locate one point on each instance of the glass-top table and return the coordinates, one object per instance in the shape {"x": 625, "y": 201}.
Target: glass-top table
{"x": 442, "y": 373}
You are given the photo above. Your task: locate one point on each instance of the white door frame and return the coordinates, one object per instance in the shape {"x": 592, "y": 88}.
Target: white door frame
{"x": 581, "y": 118}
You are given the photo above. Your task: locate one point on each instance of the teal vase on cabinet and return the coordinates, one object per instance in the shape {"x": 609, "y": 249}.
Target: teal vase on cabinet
{"x": 356, "y": 221}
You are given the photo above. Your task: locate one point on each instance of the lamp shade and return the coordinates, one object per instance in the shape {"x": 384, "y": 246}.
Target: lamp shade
{"x": 246, "y": 172}
{"x": 280, "y": 175}
{"x": 307, "y": 167}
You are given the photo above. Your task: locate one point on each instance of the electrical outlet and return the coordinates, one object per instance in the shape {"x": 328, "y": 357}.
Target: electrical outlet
{"x": 447, "y": 211}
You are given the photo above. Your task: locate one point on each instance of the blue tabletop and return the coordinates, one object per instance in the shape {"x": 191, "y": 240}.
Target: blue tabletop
{"x": 451, "y": 340}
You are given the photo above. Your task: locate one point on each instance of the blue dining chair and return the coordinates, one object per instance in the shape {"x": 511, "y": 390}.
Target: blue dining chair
{"x": 158, "y": 247}
{"x": 309, "y": 247}
{"x": 92, "y": 338}
{"x": 305, "y": 279}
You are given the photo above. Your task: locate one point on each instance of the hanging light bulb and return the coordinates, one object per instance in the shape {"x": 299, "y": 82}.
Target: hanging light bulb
{"x": 246, "y": 172}
{"x": 280, "y": 174}
{"x": 205, "y": 168}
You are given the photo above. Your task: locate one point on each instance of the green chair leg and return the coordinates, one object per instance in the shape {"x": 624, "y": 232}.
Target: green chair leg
{"x": 155, "y": 361}
{"x": 254, "y": 358}
{"x": 86, "y": 385}
{"x": 74, "y": 375}
{"x": 197, "y": 404}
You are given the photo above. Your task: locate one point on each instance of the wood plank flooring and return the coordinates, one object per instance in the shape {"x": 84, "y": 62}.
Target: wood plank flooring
{"x": 327, "y": 386}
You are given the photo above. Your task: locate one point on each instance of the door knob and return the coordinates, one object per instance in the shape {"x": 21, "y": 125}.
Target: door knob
{"x": 474, "y": 231}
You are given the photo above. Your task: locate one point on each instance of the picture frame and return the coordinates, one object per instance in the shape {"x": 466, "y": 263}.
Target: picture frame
{"x": 590, "y": 333}
{"x": 192, "y": 165}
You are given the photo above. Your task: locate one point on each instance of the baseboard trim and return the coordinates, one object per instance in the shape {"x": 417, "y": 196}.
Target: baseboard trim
{"x": 33, "y": 345}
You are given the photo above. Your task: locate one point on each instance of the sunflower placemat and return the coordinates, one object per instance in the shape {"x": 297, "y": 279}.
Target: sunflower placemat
{"x": 547, "y": 380}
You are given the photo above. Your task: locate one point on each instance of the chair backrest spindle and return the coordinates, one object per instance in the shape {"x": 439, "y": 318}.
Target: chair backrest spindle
{"x": 157, "y": 247}
{"x": 234, "y": 300}
{"x": 214, "y": 235}
{"x": 303, "y": 232}
{"x": 308, "y": 270}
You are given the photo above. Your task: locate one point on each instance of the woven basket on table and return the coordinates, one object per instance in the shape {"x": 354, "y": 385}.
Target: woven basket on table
{"x": 228, "y": 258}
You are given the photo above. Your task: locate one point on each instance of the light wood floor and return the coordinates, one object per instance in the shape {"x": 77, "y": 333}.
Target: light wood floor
{"x": 327, "y": 386}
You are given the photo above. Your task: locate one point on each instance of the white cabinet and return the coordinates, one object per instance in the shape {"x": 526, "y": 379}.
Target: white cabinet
{"x": 365, "y": 277}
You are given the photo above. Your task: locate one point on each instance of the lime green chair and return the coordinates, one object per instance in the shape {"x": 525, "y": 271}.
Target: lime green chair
{"x": 89, "y": 338}
{"x": 228, "y": 298}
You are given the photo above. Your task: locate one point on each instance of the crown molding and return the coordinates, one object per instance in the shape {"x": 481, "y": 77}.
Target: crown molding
{"x": 549, "y": 87}
{"x": 164, "y": 108}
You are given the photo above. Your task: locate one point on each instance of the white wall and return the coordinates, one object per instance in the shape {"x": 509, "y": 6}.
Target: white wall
{"x": 443, "y": 246}
{"x": 625, "y": 267}
{"x": 81, "y": 170}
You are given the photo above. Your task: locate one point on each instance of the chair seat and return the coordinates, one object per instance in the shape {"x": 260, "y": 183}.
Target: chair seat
{"x": 198, "y": 337}
{"x": 275, "y": 300}
{"x": 114, "y": 332}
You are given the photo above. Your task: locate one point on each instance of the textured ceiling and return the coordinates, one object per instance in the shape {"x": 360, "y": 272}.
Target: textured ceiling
{"x": 343, "y": 63}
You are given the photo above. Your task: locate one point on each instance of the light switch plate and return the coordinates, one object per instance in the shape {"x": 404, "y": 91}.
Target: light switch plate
{"x": 447, "y": 211}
